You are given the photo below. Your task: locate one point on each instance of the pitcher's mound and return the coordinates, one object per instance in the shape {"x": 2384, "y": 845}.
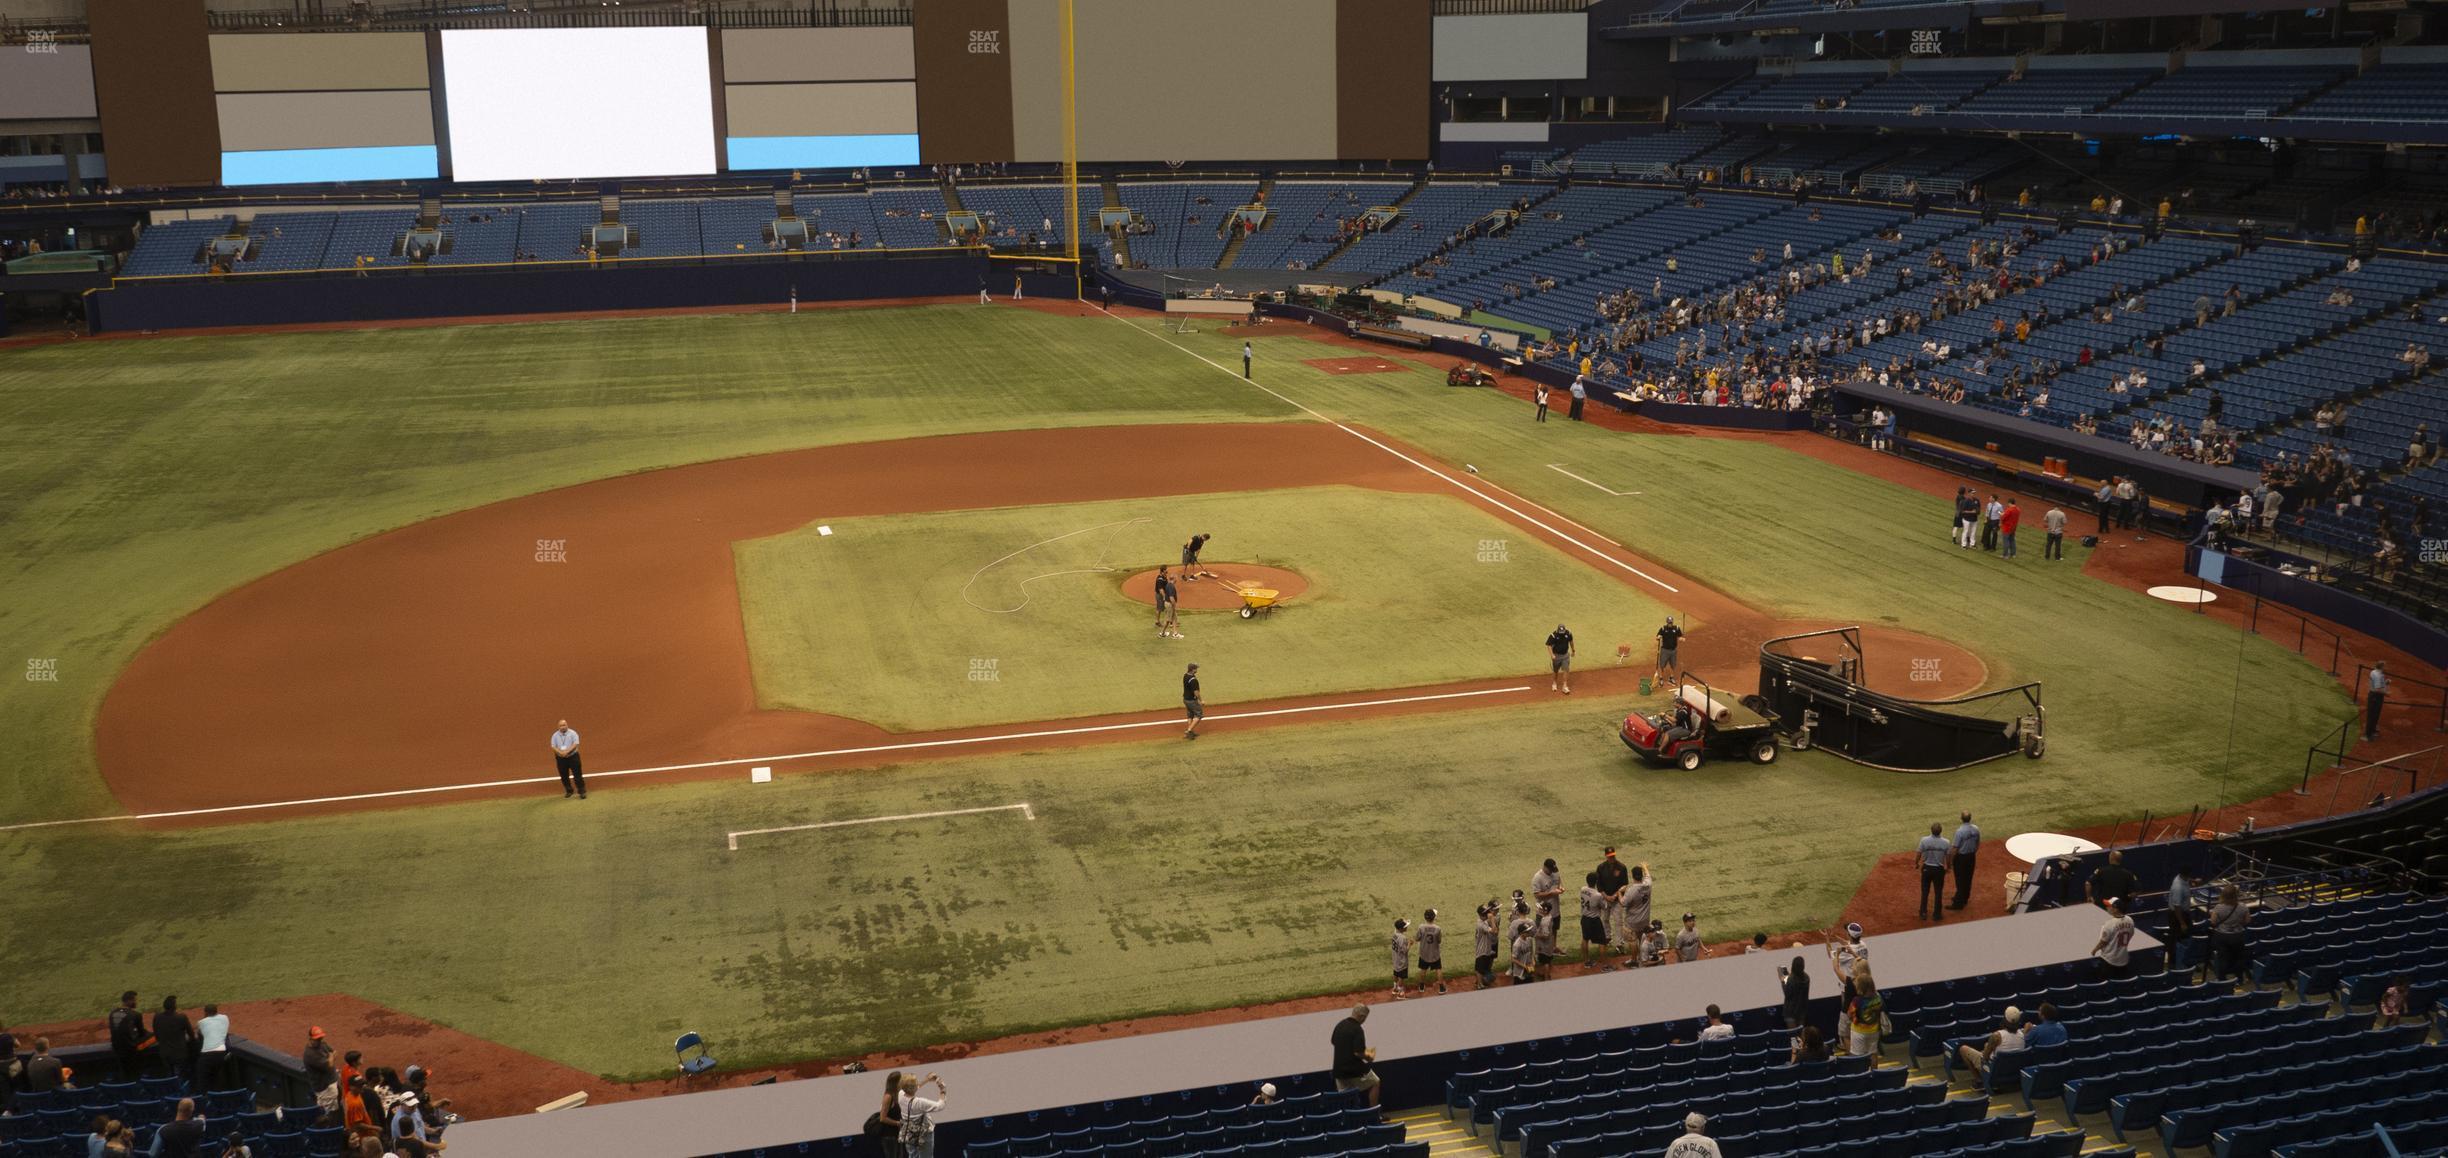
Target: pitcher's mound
{"x": 1221, "y": 591}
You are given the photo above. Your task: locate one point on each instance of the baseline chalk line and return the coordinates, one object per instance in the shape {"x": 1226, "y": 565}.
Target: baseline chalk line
{"x": 1559, "y": 469}
{"x": 1023, "y": 808}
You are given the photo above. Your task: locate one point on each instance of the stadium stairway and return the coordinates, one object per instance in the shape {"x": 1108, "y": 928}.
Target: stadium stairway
{"x": 1112, "y": 190}
{"x": 1401, "y": 203}
{"x": 1232, "y": 247}
{"x": 1444, "y": 1137}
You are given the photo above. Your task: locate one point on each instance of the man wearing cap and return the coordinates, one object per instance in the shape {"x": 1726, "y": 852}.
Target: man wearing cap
{"x": 317, "y": 1058}
{"x": 1352, "y": 1056}
{"x": 411, "y": 1138}
{"x": 1669, "y": 637}
{"x": 1932, "y": 853}
{"x": 565, "y": 761}
{"x": 1687, "y": 946}
{"x": 1193, "y": 706}
{"x": 1966, "y": 847}
{"x": 2007, "y": 1039}
{"x": 1266, "y": 1095}
{"x": 2115, "y": 948}
{"x": 1695, "y": 1142}
{"x": 1559, "y": 660}
{"x": 1612, "y": 879}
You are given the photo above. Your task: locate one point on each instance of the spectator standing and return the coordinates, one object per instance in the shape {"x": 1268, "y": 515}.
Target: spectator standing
{"x": 885, "y": 1125}
{"x": 212, "y": 1048}
{"x": 183, "y": 1136}
{"x": 317, "y": 1058}
{"x": 2115, "y": 948}
{"x": 918, "y": 1116}
{"x": 128, "y": 1037}
{"x": 2229, "y": 919}
{"x": 2375, "y": 698}
{"x": 1580, "y": 398}
{"x": 1991, "y": 514}
{"x": 1932, "y": 854}
{"x": 2008, "y": 519}
{"x": 174, "y": 1035}
{"x": 2106, "y": 498}
{"x": 2113, "y": 880}
{"x": 2054, "y": 522}
{"x": 1695, "y": 1142}
{"x": 1865, "y": 1013}
{"x": 1352, "y": 1058}
{"x": 565, "y": 761}
{"x": 1965, "y": 848}
{"x": 1687, "y": 944}
{"x": 1797, "y": 992}
{"x": 1538, "y": 394}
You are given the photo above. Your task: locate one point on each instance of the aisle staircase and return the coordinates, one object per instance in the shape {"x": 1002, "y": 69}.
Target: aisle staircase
{"x": 1445, "y": 1137}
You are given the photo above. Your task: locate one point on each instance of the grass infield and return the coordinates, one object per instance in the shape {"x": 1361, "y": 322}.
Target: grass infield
{"x": 901, "y": 620}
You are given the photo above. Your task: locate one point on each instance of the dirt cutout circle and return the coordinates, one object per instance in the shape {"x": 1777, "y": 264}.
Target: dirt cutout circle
{"x": 1222, "y": 590}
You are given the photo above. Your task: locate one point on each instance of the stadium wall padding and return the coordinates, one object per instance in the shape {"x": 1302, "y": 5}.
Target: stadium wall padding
{"x": 272, "y": 301}
{"x": 153, "y": 82}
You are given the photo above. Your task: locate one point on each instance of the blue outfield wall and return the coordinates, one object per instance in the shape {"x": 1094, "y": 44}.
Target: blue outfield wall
{"x": 271, "y": 301}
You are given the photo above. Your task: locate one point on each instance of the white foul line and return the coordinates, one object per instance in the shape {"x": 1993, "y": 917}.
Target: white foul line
{"x": 1483, "y": 496}
{"x": 732, "y": 838}
{"x": 871, "y": 749}
{"x": 1559, "y": 469}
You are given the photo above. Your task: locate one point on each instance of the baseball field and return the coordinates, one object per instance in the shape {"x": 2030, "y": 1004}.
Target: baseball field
{"x": 298, "y": 611}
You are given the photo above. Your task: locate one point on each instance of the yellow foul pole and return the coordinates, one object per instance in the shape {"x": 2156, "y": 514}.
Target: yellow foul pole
{"x": 1070, "y": 131}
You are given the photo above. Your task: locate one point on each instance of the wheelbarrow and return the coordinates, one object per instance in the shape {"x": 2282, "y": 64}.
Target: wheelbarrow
{"x": 1258, "y": 599}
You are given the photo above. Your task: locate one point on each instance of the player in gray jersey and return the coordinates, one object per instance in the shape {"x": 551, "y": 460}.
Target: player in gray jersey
{"x": 1431, "y": 940}
{"x": 1635, "y": 910}
{"x": 1402, "y": 957}
{"x": 1687, "y": 945}
{"x": 1594, "y": 909}
{"x": 1484, "y": 945}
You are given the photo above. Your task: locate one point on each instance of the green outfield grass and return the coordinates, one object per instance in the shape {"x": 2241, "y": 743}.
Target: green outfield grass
{"x": 147, "y": 476}
{"x": 901, "y": 621}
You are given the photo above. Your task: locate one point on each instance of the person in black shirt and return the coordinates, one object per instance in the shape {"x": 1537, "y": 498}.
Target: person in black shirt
{"x": 177, "y": 1039}
{"x": 1797, "y": 992}
{"x": 2113, "y": 880}
{"x": 1190, "y": 556}
{"x": 1559, "y": 660}
{"x": 128, "y": 1037}
{"x": 183, "y": 1137}
{"x": 1670, "y": 638}
{"x": 1352, "y": 1056}
{"x": 1193, "y": 706}
{"x": 1613, "y": 878}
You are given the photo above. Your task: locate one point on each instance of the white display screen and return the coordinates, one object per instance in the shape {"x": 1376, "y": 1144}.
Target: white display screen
{"x": 578, "y": 102}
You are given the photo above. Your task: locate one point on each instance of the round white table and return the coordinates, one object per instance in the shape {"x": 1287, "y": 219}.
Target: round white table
{"x": 2034, "y": 847}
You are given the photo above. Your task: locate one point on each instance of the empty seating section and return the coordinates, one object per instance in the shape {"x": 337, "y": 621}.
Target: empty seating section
{"x": 2345, "y": 361}
{"x": 1302, "y": 217}
{"x": 491, "y": 241}
{"x": 171, "y": 247}
{"x": 2226, "y": 91}
{"x": 732, "y": 225}
{"x": 1923, "y": 90}
{"x": 1318, "y": 1125}
{"x": 551, "y": 232}
{"x": 662, "y": 229}
{"x": 849, "y": 214}
{"x": 1629, "y": 154}
{"x": 1934, "y": 167}
{"x": 1805, "y": 90}
{"x": 289, "y": 241}
{"x": 371, "y": 233}
{"x": 898, "y": 215}
{"x": 2391, "y": 92}
{"x": 1188, "y": 219}
{"x": 1832, "y": 155}
{"x": 1437, "y": 211}
{"x": 2049, "y": 92}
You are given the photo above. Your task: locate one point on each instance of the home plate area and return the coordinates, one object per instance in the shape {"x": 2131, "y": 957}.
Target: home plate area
{"x": 1354, "y": 365}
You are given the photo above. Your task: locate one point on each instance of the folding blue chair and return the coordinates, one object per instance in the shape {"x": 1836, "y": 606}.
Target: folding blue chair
{"x": 692, "y": 1066}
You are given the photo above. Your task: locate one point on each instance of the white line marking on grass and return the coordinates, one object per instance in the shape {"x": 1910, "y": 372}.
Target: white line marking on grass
{"x": 732, "y": 838}
{"x": 1559, "y": 469}
{"x": 1483, "y": 496}
{"x": 871, "y": 749}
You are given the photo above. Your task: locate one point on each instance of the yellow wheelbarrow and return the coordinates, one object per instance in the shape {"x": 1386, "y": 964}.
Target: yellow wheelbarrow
{"x": 1258, "y": 599}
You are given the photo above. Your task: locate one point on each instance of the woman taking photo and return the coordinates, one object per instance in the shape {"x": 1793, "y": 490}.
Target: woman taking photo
{"x": 918, "y": 1116}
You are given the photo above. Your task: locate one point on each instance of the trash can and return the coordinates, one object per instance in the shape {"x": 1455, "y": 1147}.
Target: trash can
{"x": 2014, "y": 889}
{"x": 1644, "y": 685}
